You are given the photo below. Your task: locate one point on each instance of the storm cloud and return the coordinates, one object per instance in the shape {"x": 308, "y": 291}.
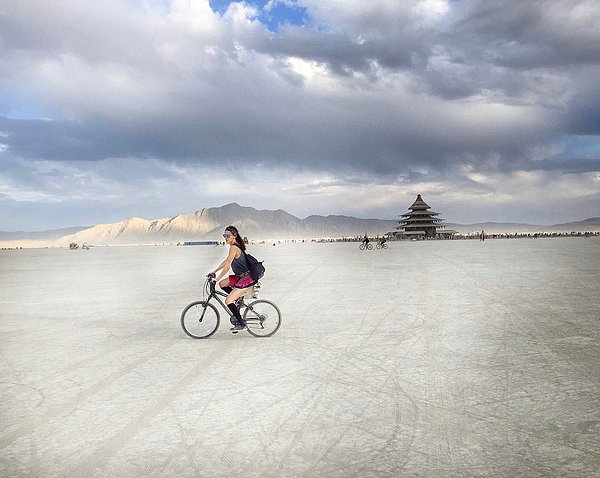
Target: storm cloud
{"x": 360, "y": 93}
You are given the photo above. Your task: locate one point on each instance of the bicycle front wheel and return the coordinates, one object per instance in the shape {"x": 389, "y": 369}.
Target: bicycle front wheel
{"x": 369, "y": 247}
{"x": 262, "y": 317}
{"x": 200, "y": 320}
{"x": 384, "y": 246}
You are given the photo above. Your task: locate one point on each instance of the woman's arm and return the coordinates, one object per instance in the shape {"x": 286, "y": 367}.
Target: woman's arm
{"x": 225, "y": 265}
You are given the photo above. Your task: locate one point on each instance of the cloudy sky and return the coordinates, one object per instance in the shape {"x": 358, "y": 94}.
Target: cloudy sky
{"x": 152, "y": 108}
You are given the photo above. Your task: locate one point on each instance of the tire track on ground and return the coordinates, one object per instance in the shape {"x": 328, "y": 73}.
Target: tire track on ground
{"x": 58, "y": 409}
{"x": 101, "y": 455}
{"x": 80, "y": 363}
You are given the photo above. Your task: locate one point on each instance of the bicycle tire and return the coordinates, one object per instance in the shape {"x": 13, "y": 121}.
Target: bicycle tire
{"x": 369, "y": 247}
{"x": 196, "y": 323}
{"x": 259, "y": 313}
{"x": 362, "y": 247}
{"x": 384, "y": 246}
{"x": 377, "y": 246}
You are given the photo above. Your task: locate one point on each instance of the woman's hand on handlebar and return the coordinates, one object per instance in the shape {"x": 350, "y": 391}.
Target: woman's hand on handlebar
{"x": 211, "y": 276}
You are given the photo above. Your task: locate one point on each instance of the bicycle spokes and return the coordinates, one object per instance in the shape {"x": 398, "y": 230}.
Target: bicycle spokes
{"x": 262, "y": 317}
{"x": 200, "y": 320}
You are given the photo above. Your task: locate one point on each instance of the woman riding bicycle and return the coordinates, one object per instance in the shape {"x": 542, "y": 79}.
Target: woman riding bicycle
{"x": 235, "y": 285}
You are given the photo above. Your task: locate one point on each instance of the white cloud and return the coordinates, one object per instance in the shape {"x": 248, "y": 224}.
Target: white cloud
{"x": 432, "y": 10}
{"x": 169, "y": 189}
{"x": 16, "y": 192}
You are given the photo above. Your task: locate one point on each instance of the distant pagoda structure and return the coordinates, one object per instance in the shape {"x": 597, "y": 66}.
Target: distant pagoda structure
{"x": 421, "y": 223}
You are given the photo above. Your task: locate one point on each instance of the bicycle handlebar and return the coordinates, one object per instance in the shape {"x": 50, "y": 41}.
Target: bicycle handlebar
{"x": 210, "y": 283}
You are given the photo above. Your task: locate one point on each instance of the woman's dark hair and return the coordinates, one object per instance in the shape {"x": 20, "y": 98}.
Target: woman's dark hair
{"x": 238, "y": 240}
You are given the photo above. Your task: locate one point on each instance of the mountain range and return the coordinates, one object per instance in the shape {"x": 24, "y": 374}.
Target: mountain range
{"x": 209, "y": 223}
{"x": 49, "y": 235}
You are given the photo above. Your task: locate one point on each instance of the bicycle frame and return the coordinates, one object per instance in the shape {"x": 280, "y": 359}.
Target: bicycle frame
{"x": 213, "y": 292}
{"x": 216, "y": 293}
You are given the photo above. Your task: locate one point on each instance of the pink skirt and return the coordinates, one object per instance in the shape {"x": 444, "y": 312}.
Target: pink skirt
{"x": 241, "y": 282}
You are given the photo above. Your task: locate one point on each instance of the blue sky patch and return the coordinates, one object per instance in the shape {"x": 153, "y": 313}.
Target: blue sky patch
{"x": 281, "y": 14}
{"x": 16, "y": 104}
{"x": 577, "y": 146}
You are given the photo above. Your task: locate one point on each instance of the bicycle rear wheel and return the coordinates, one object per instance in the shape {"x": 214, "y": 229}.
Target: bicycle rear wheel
{"x": 362, "y": 247}
{"x": 200, "y": 320}
{"x": 262, "y": 317}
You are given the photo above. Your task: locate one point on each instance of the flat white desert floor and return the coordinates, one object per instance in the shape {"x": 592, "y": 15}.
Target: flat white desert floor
{"x": 441, "y": 358}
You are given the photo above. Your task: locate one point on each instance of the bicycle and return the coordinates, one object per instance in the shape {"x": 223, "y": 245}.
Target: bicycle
{"x": 381, "y": 246}
{"x": 368, "y": 246}
{"x": 201, "y": 319}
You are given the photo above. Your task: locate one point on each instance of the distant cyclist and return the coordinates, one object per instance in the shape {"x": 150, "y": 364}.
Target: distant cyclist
{"x": 382, "y": 241}
{"x": 235, "y": 285}
{"x": 365, "y": 241}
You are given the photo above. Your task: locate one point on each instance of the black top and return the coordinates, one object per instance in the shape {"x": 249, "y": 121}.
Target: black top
{"x": 240, "y": 265}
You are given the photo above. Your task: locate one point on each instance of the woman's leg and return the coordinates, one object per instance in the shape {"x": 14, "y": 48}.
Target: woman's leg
{"x": 224, "y": 283}
{"x": 235, "y": 294}
{"x": 227, "y": 284}
{"x": 230, "y": 301}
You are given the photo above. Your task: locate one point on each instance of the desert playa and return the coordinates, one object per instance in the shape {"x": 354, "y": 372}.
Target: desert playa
{"x": 431, "y": 358}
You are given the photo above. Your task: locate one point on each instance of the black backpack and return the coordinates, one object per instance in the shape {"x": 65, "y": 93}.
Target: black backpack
{"x": 257, "y": 270}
